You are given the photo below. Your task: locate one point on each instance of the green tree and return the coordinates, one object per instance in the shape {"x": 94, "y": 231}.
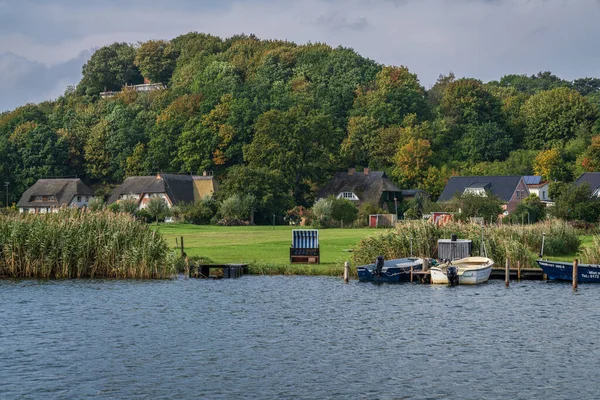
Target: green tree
{"x": 109, "y": 68}
{"x": 575, "y": 203}
{"x": 486, "y": 142}
{"x": 530, "y": 210}
{"x": 555, "y": 116}
{"x": 157, "y": 208}
{"x": 343, "y": 211}
{"x": 267, "y": 186}
{"x": 474, "y": 205}
{"x": 395, "y": 93}
{"x": 156, "y": 60}
{"x": 300, "y": 143}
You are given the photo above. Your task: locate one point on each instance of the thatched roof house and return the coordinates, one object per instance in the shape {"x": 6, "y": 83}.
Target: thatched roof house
{"x": 49, "y": 195}
{"x": 362, "y": 187}
{"x": 172, "y": 188}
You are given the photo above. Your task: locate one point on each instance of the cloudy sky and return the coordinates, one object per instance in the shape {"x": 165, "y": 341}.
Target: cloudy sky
{"x": 44, "y": 43}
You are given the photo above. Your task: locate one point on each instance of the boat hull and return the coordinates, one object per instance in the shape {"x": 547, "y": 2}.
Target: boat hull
{"x": 471, "y": 271}
{"x": 563, "y": 271}
{"x": 393, "y": 271}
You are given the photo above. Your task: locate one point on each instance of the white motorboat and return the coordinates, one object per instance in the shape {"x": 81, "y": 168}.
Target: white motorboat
{"x": 466, "y": 271}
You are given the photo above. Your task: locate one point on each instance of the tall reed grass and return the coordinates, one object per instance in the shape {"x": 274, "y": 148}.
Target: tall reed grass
{"x": 77, "y": 244}
{"x": 515, "y": 242}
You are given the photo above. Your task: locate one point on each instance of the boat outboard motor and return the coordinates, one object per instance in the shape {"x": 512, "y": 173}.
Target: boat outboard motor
{"x": 452, "y": 274}
{"x": 378, "y": 265}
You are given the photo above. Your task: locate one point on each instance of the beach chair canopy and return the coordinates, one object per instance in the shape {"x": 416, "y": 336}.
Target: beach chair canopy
{"x": 305, "y": 238}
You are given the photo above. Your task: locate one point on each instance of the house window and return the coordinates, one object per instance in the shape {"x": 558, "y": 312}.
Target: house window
{"x": 51, "y": 198}
{"x": 348, "y": 196}
{"x": 38, "y": 198}
{"x": 79, "y": 199}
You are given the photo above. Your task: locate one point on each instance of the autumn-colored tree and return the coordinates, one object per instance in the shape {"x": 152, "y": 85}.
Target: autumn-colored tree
{"x": 591, "y": 158}
{"x": 550, "y": 165}
{"x": 412, "y": 162}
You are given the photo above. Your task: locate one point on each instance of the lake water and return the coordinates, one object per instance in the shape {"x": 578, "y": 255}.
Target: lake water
{"x": 297, "y": 337}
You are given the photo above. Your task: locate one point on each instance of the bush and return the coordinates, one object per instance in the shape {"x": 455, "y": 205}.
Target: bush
{"x": 343, "y": 211}
{"x": 95, "y": 204}
{"x": 238, "y": 208}
{"x": 201, "y": 212}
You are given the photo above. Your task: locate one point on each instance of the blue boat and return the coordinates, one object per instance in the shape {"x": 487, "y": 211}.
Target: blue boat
{"x": 390, "y": 271}
{"x": 563, "y": 271}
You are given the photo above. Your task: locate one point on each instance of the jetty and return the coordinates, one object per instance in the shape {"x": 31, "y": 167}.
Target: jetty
{"x": 217, "y": 271}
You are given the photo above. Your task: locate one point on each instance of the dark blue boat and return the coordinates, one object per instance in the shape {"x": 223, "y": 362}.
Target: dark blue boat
{"x": 563, "y": 271}
{"x": 390, "y": 271}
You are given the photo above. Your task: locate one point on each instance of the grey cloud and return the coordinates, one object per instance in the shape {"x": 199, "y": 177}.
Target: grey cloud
{"x": 485, "y": 39}
{"x": 24, "y": 81}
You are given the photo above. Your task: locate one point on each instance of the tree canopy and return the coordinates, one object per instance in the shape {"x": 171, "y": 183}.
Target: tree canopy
{"x": 275, "y": 120}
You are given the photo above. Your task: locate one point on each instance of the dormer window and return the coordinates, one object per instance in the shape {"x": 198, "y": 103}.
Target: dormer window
{"x": 51, "y": 198}
{"x": 348, "y": 196}
{"x": 38, "y": 198}
{"x": 475, "y": 190}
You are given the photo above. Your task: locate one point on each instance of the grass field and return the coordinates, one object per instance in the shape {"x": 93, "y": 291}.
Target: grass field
{"x": 258, "y": 244}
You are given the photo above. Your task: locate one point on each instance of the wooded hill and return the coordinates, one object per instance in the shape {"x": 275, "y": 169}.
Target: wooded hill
{"x": 276, "y": 119}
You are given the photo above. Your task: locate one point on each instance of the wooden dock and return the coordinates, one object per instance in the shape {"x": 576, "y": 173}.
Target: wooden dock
{"x": 530, "y": 274}
{"x": 218, "y": 271}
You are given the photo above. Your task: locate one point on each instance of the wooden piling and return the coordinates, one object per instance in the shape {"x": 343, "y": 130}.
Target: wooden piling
{"x": 507, "y": 273}
{"x": 519, "y": 270}
{"x": 575, "y": 276}
{"x": 187, "y": 267}
{"x": 182, "y": 252}
{"x": 412, "y": 270}
{"x": 346, "y": 272}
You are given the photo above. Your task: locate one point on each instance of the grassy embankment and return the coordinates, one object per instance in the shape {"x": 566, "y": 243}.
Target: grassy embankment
{"x": 264, "y": 248}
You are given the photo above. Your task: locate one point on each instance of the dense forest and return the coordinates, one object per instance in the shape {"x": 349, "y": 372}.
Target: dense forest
{"x": 276, "y": 120}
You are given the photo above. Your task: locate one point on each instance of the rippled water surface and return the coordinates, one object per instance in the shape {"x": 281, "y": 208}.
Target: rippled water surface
{"x": 297, "y": 337}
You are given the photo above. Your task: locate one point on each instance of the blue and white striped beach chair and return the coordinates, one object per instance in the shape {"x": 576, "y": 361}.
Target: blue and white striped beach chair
{"x": 305, "y": 246}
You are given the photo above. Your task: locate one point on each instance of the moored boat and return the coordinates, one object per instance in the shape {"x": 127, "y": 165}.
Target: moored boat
{"x": 390, "y": 271}
{"x": 466, "y": 271}
{"x": 563, "y": 271}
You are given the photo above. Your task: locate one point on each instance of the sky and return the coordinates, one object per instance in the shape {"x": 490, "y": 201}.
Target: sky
{"x": 44, "y": 44}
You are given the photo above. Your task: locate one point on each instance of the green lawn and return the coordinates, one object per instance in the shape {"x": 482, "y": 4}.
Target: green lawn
{"x": 258, "y": 244}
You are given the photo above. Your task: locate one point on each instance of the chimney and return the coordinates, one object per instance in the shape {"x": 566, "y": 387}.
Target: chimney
{"x": 366, "y": 171}
{"x": 351, "y": 171}
{"x": 207, "y": 173}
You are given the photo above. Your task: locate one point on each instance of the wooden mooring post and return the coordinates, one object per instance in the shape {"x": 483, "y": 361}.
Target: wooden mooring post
{"x": 182, "y": 252}
{"x": 507, "y": 273}
{"x": 412, "y": 270}
{"x": 346, "y": 272}
{"x": 575, "y": 273}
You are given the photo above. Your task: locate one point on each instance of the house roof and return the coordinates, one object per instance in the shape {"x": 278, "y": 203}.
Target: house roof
{"x": 591, "y": 178}
{"x": 413, "y": 192}
{"x": 179, "y": 188}
{"x": 532, "y": 179}
{"x": 367, "y": 187}
{"x": 62, "y": 189}
{"x": 501, "y": 186}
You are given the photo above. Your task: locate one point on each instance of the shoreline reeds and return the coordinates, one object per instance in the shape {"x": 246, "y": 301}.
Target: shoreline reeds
{"x": 79, "y": 244}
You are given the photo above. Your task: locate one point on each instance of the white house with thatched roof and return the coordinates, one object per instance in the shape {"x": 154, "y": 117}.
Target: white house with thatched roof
{"x": 50, "y": 195}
